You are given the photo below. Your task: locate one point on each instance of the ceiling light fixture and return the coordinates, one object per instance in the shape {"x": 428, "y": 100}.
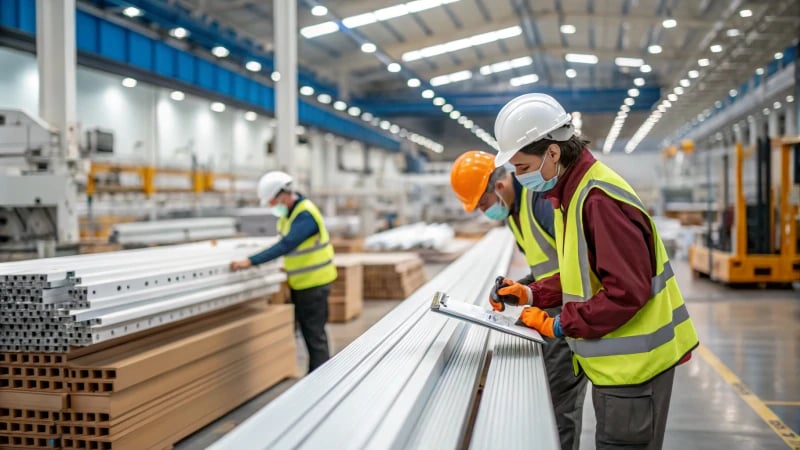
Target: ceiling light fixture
{"x": 339, "y": 105}
{"x": 654, "y": 49}
{"x": 394, "y": 67}
{"x": 638, "y": 82}
{"x": 129, "y": 82}
{"x": 319, "y": 10}
{"x": 220, "y": 51}
{"x": 250, "y": 116}
{"x": 307, "y": 90}
{"x": 581, "y": 58}
{"x": 669, "y": 23}
{"x": 324, "y": 99}
{"x": 523, "y": 80}
{"x": 568, "y": 29}
{"x": 413, "y": 82}
{"x": 571, "y": 73}
{"x": 693, "y": 74}
{"x": 132, "y": 12}
{"x": 179, "y": 33}
{"x": 428, "y": 93}
{"x": 177, "y": 96}
{"x": 646, "y": 68}
{"x": 716, "y": 48}
{"x": 218, "y": 107}
{"x": 253, "y": 66}
{"x": 746, "y": 13}
{"x": 703, "y": 62}
{"x": 354, "y": 111}
{"x": 460, "y": 44}
{"x": 368, "y": 47}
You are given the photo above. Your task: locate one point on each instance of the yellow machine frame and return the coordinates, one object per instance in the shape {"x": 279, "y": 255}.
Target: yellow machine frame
{"x": 741, "y": 267}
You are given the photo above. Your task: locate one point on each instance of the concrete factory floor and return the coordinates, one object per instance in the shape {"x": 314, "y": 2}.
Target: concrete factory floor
{"x": 741, "y": 390}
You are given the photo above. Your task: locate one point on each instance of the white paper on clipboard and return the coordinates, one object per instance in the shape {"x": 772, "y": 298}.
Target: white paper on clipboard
{"x": 485, "y": 317}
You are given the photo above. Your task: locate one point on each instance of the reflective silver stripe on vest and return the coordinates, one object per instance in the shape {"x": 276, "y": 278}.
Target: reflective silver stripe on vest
{"x": 583, "y": 253}
{"x": 549, "y": 250}
{"x": 630, "y": 344}
{"x": 315, "y": 247}
{"x": 308, "y": 269}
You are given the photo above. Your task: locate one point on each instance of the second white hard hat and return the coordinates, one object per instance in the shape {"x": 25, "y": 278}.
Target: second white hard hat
{"x": 271, "y": 184}
{"x": 527, "y": 119}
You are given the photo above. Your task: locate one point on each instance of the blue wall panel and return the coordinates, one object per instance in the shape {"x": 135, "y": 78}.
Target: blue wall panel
{"x": 186, "y": 67}
{"x": 205, "y": 74}
{"x": 27, "y": 16}
{"x": 164, "y": 60}
{"x": 112, "y": 42}
{"x": 224, "y": 84}
{"x": 240, "y": 87}
{"x": 86, "y": 32}
{"x": 140, "y": 51}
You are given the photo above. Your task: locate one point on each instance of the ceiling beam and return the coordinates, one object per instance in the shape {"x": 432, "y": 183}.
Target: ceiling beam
{"x": 473, "y": 62}
{"x": 361, "y": 61}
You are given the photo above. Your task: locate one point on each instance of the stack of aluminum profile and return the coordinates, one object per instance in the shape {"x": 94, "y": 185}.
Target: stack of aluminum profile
{"x": 178, "y": 230}
{"x": 49, "y": 305}
{"x": 256, "y": 221}
{"x": 411, "y": 381}
{"x": 418, "y": 235}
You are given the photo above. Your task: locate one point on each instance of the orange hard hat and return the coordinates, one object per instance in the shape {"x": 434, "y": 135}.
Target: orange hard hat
{"x": 470, "y": 175}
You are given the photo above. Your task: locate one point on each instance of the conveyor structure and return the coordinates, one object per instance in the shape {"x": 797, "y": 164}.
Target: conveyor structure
{"x": 419, "y": 380}
{"x": 173, "y": 231}
{"x": 52, "y": 304}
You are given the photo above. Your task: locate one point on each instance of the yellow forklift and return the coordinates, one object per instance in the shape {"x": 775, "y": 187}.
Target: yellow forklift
{"x": 753, "y": 253}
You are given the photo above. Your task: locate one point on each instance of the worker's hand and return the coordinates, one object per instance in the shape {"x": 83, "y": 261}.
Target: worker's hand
{"x": 540, "y": 321}
{"x": 509, "y": 292}
{"x": 240, "y": 264}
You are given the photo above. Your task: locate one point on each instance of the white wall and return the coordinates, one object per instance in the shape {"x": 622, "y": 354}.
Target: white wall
{"x": 638, "y": 169}
{"x": 148, "y": 126}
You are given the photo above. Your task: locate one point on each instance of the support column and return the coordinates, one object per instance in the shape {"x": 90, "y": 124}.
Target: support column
{"x": 791, "y": 119}
{"x": 773, "y": 124}
{"x": 55, "y": 54}
{"x": 285, "y": 26}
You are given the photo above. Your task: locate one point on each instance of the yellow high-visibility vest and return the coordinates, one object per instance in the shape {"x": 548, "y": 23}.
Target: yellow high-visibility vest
{"x": 653, "y": 340}
{"x": 311, "y": 263}
{"x": 538, "y": 246}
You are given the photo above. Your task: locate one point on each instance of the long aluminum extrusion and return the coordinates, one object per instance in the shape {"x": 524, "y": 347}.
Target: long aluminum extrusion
{"x": 109, "y": 295}
{"x": 411, "y": 366}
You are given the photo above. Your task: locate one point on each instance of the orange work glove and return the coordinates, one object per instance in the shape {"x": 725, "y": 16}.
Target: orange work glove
{"x": 509, "y": 292}
{"x": 540, "y": 321}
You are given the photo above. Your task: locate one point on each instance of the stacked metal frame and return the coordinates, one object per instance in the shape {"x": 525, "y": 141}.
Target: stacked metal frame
{"x": 410, "y": 381}
{"x": 178, "y": 230}
{"x": 52, "y": 304}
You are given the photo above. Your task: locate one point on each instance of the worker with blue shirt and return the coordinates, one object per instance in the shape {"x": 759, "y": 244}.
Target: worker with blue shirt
{"x": 307, "y": 259}
{"x": 498, "y": 194}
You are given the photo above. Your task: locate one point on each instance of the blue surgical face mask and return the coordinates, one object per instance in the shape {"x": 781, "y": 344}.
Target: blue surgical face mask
{"x": 280, "y": 210}
{"x": 498, "y": 211}
{"x": 535, "y": 181}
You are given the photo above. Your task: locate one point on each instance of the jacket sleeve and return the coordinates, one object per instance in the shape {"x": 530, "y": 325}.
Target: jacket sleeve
{"x": 547, "y": 292}
{"x": 620, "y": 244}
{"x": 303, "y": 227}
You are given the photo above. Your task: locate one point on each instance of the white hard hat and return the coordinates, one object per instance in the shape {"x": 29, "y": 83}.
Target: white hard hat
{"x": 527, "y": 119}
{"x": 271, "y": 183}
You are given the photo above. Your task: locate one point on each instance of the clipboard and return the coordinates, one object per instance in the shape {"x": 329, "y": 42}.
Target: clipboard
{"x": 485, "y": 317}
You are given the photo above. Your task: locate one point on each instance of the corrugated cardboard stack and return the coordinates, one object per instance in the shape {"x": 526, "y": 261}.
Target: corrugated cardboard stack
{"x": 347, "y": 293}
{"x": 391, "y": 275}
{"x": 150, "y": 390}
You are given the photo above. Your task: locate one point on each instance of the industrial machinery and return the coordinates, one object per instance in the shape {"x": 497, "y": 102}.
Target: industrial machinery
{"x": 38, "y": 189}
{"x": 762, "y": 243}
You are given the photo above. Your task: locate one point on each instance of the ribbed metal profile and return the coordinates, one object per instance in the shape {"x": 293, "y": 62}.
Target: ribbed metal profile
{"x": 407, "y": 382}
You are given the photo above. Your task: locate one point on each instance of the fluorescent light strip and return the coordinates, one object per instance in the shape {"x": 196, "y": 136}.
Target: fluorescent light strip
{"x": 502, "y": 66}
{"x": 525, "y": 79}
{"x": 460, "y": 44}
{"x": 454, "y": 77}
{"x": 378, "y": 15}
{"x": 581, "y": 58}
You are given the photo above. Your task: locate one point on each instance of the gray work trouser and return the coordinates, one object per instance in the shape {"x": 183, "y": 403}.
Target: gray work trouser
{"x": 633, "y": 417}
{"x": 566, "y": 390}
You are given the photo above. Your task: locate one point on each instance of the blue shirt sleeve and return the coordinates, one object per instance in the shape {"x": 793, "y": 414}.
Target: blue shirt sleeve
{"x": 543, "y": 212}
{"x": 303, "y": 227}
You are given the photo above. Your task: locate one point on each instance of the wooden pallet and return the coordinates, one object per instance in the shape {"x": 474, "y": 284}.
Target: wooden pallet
{"x": 347, "y": 299}
{"x": 150, "y": 390}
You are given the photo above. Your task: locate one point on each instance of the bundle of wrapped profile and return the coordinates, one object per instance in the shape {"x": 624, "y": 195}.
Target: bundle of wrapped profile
{"x": 151, "y": 389}
{"x": 390, "y": 275}
{"x": 347, "y": 293}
